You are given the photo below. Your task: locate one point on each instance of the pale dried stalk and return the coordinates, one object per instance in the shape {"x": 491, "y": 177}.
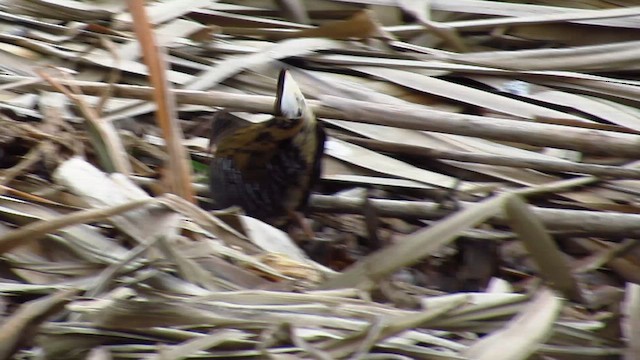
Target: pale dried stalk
{"x": 410, "y": 117}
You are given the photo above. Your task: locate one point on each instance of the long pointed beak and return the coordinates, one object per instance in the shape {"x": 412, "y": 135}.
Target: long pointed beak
{"x": 289, "y": 99}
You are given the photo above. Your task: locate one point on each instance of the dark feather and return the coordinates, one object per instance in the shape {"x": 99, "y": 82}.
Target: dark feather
{"x": 268, "y": 169}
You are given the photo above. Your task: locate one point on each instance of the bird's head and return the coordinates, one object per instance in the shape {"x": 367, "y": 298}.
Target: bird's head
{"x": 290, "y": 103}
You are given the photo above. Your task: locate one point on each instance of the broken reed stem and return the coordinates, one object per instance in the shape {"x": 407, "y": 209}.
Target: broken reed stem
{"x": 401, "y": 116}
{"x": 595, "y": 223}
{"x": 519, "y": 162}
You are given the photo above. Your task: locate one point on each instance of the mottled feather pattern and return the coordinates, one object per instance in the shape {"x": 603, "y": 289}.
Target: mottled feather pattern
{"x": 262, "y": 188}
{"x": 268, "y": 168}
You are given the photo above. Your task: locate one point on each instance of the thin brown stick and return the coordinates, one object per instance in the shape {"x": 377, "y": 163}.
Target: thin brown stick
{"x": 179, "y": 173}
{"x": 40, "y": 228}
{"x": 114, "y": 74}
{"x": 106, "y": 135}
{"x": 30, "y": 159}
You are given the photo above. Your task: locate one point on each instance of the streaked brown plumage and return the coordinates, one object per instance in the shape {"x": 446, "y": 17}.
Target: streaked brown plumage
{"x": 268, "y": 168}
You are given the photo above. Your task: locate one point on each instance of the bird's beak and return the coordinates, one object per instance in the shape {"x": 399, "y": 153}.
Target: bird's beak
{"x": 289, "y": 99}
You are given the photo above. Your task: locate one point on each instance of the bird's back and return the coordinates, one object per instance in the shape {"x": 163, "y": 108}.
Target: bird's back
{"x": 268, "y": 168}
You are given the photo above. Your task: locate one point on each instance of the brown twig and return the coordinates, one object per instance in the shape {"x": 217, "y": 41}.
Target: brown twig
{"x": 106, "y": 137}
{"x": 179, "y": 173}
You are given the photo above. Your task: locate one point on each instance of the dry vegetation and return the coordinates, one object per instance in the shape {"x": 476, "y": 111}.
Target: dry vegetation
{"x": 479, "y": 197}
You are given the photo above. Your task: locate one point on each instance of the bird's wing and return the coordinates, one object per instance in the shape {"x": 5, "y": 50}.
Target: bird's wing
{"x": 224, "y": 123}
{"x": 261, "y": 183}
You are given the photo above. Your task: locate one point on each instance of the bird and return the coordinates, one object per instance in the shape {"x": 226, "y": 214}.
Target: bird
{"x": 269, "y": 168}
